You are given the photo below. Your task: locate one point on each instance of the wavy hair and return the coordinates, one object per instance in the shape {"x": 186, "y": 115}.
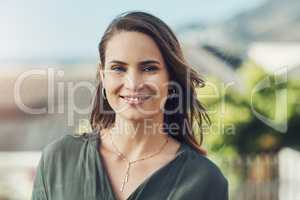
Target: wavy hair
{"x": 191, "y": 110}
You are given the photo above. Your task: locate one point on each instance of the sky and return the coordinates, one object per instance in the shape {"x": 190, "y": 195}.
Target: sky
{"x": 39, "y": 29}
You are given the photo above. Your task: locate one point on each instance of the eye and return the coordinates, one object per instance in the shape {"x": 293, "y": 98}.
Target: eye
{"x": 150, "y": 68}
{"x": 118, "y": 68}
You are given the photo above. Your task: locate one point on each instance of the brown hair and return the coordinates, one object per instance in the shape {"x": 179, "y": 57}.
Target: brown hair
{"x": 191, "y": 110}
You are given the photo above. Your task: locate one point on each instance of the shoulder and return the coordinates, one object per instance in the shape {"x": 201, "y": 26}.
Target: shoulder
{"x": 63, "y": 164}
{"x": 204, "y": 177}
{"x": 66, "y": 155}
{"x": 67, "y": 145}
{"x": 205, "y": 169}
{"x": 199, "y": 178}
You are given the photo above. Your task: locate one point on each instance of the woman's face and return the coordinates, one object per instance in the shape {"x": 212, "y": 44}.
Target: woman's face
{"x": 135, "y": 76}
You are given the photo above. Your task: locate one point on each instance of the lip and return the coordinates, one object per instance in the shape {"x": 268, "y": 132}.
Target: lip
{"x": 136, "y": 96}
{"x": 136, "y": 99}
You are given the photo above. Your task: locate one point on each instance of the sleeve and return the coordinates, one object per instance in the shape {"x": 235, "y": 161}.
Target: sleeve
{"x": 218, "y": 189}
{"x": 39, "y": 186}
{"x": 225, "y": 191}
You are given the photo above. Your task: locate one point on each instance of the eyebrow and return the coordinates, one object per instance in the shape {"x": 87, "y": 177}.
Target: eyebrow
{"x": 140, "y": 63}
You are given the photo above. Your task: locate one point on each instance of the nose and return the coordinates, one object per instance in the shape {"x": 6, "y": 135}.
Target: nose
{"x": 133, "y": 81}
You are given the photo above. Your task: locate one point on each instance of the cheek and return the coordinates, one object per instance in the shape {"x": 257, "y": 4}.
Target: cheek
{"x": 112, "y": 82}
{"x": 159, "y": 88}
{"x": 111, "y": 88}
{"x": 157, "y": 81}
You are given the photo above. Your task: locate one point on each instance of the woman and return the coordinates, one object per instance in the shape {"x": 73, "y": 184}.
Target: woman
{"x": 142, "y": 145}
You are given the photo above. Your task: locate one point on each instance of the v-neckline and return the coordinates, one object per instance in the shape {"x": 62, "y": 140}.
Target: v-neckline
{"x": 151, "y": 176}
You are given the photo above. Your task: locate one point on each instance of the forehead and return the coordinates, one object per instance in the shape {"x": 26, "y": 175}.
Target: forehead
{"x": 132, "y": 46}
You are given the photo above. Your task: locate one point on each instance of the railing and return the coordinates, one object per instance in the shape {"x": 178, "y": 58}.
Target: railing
{"x": 264, "y": 177}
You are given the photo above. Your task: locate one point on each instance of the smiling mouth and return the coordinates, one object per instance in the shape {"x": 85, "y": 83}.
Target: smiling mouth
{"x": 135, "y": 99}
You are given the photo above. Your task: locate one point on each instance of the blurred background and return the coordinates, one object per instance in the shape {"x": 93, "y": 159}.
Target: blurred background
{"x": 247, "y": 51}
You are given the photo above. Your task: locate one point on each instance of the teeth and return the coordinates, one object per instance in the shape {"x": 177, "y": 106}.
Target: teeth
{"x": 135, "y": 99}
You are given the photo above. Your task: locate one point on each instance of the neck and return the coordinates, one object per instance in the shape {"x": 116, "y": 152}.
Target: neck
{"x": 136, "y": 139}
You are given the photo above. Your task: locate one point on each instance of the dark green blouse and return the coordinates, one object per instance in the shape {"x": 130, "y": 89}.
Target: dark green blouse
{"x": 71, "y": 168}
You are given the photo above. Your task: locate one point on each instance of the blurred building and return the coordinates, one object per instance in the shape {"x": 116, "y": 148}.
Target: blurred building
{"x": 273, "y": 56}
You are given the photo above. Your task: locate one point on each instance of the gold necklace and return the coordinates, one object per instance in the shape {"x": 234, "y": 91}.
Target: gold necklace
{"x": 123, "y": 157}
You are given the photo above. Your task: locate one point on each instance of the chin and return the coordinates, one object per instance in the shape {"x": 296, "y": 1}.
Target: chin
{"x": 135, "y": 116}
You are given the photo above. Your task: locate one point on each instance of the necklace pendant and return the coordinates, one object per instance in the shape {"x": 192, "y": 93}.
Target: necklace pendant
{"x": 122, "y": 187}
{"x": 126, "y": 178}
{"x": 132, "y": 162}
